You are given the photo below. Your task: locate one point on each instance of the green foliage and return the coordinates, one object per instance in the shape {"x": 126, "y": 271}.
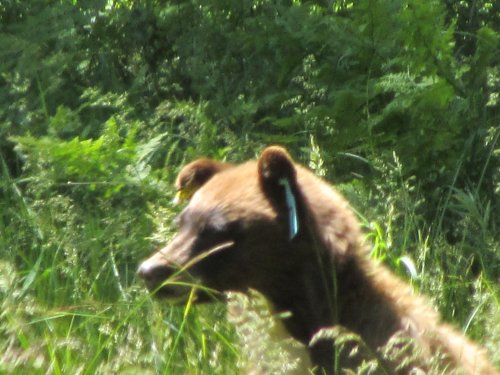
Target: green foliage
{"x": 101, "y": 102}
{"x": 79, "y": 162}
{"x": 269, "y": 72}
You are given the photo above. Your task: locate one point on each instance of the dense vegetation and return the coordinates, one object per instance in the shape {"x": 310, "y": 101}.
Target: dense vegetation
{"x": 101, "y": 102}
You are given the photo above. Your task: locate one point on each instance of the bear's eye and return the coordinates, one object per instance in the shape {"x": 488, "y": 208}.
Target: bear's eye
{"x": 214, "y": 226}
{"x": 212, "y": 231}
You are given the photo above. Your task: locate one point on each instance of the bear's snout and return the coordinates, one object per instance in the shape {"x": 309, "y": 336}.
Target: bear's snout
{"x": 154, "y": 273}
{"x": 150, "y": 270}
{"x": 161, "y": 279}
{"x": 166, "y": 281}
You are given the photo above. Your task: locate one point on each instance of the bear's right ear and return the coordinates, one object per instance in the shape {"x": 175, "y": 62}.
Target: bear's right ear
{"x": 278, "y": 179}
{"x": 194, "y": 175}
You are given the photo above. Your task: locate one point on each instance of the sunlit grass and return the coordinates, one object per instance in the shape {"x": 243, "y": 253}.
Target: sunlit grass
{"x": 71, "y": 303}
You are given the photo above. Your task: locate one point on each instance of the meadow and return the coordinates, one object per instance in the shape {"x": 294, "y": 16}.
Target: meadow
{"x": 102, "y": 102}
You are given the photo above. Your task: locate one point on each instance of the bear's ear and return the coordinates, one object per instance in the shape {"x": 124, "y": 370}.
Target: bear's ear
{"x": 278, "y": 179}
{"x": 194, "y": 175}
{"x": 274, "y": 164}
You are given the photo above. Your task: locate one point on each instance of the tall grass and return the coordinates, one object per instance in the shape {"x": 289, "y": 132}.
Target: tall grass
{"x": 71, "y": 303}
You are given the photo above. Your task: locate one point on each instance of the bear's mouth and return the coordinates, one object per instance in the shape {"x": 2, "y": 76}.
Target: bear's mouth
{"x": 179, "y": 292}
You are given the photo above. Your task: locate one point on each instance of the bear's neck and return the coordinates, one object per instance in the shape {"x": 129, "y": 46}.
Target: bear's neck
{"x": 313, "y": 304}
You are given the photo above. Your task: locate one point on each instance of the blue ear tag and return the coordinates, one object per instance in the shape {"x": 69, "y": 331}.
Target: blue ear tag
{"x": 293, "y": 220}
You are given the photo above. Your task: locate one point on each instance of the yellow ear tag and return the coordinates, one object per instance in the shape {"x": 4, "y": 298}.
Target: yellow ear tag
{"x": 293, "y": 220}
{"x": 181, "y": 196}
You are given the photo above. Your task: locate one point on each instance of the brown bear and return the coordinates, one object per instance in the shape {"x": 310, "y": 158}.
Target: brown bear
{"x": 273, "y": 226}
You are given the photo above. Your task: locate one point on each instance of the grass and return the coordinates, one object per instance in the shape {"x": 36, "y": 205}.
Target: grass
{"x": 71, "y": 303}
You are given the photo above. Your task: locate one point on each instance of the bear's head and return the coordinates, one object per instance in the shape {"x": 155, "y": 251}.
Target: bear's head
{"x": 256, "y": 225}
{"x": 235, "y": 229}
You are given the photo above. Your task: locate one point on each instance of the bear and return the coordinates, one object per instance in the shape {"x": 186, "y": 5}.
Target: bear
{"x": 272, "y": 226}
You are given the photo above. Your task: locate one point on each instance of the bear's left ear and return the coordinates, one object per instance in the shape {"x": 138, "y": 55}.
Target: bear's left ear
{"x": 278, "y": 179}
{"x": 194, "y": 175}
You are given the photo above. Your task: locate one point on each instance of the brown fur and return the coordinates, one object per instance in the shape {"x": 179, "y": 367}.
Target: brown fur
{"x": 234, "y": 235}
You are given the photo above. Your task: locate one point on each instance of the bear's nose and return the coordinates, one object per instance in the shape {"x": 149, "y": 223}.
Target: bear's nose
{"x": 150, "y": 270}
